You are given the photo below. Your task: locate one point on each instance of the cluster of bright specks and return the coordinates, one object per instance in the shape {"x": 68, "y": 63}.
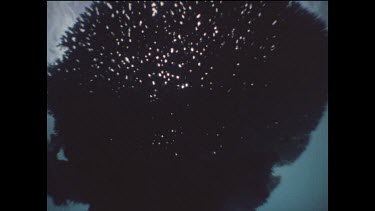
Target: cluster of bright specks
{"x": 162, "y": 47}
{"x": 161, "y": 140}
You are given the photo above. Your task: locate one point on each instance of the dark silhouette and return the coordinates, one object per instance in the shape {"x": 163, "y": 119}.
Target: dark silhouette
{"x": 189, "y": 109}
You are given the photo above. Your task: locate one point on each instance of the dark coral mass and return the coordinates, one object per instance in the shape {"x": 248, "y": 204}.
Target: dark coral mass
{"x": 183, "y": 105}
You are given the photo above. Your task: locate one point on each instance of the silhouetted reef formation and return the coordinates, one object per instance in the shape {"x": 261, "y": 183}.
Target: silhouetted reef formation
{"x": 183, "y": 105}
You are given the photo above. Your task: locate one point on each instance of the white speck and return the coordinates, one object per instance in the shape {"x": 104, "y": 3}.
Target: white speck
{"x": 172, "y": 50}
{"x": 109, "y": 5}
{"x": 154, "y": 12}
{"x": 199, "y": 15}
{"x": 274, "y": 22}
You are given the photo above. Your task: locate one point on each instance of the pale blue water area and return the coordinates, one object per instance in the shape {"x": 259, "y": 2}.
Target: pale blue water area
{"x": 304, "y": 183}
{"x": 68, "y": 207}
